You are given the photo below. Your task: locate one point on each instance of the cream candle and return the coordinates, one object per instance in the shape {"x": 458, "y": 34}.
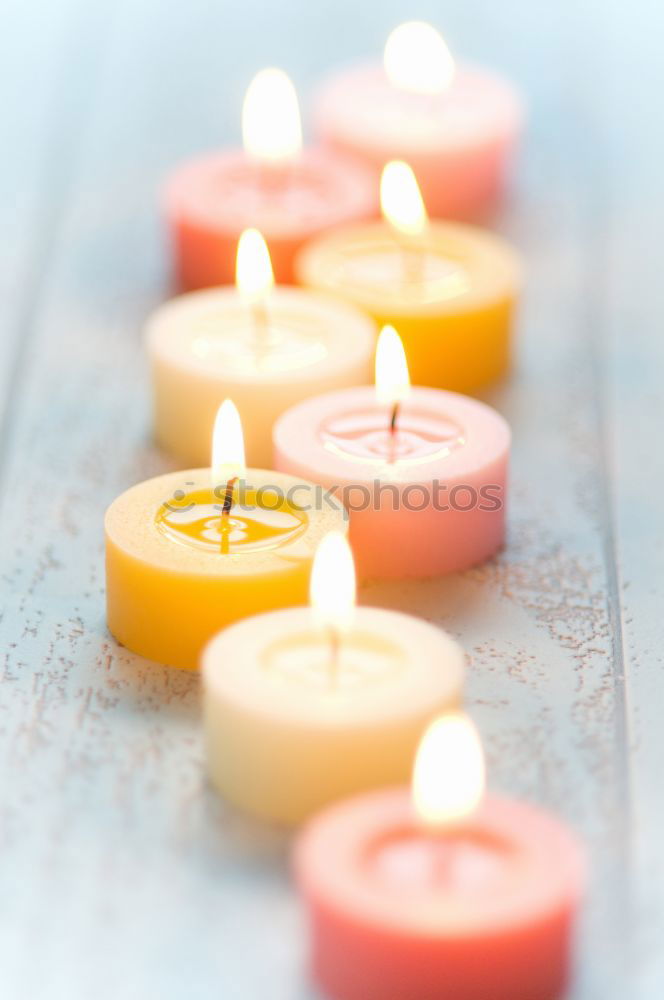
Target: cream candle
{"x": 456, "y": 125}
{"x": 303, "y": 706}
{"x": 189, "y": 552}
{"x": 440, "y": 894}
{"x": 265, "y": 347}
{"x": 422, "y": 471}
{"x": 287, "y": 192}
{"x": 450, "y": 289}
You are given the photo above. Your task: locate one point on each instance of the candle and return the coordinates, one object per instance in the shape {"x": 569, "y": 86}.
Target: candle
{"x": 287, "y": 192}
{"x": 441, "y": 894}
{"x": 304, "y": 706}
{"x": 189, "y": 552}
{"x": 266, "y": 348}
{"x": 422, "y": 471}
{"x": 450, "y": 289}
{"x": 456, "y": 125}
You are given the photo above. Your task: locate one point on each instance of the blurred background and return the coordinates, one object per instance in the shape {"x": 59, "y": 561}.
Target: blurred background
{"x": 121, "y": 876}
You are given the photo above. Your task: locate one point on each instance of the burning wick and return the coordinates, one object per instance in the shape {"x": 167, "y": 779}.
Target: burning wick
{"x": 335, "y": 650}
{"x": 394, "y": 418}
{"x": 271, "y": 127}
{"x": 254, "y": 279}
{"x": 227, "y": 462}
{"x": 392, "y": 379}
{"x": 332, "y": 595}
{"x": 228, "y": 498}
{"x": 403, "y": 208}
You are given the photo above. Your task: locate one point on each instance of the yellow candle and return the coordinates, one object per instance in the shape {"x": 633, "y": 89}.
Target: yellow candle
{"x": 450, "y": 289}
{"x": 305, "y": 706}
{"x": 190, "y": 552}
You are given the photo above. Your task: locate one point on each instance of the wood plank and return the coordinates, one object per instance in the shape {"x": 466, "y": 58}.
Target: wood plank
{"x": 634, "y": 304}
{"x": 159, "y": 889}
{"x": 42, "y": 114}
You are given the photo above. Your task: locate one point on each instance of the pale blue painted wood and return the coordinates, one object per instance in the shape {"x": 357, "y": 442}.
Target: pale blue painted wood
{"x": 122, "y": 875}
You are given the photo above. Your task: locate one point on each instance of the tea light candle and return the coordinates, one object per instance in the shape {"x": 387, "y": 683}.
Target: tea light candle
{"x": 266, "y": 348}
{"x": 450, "y": 289}
{"x": 190, "y": 552}
{"x": 440, "y": 894}
{"x": 304, "y": 706}
{"x": 422, "y": 471}
{"x": 290, "y": 194}
{"x": 456, "y": 125}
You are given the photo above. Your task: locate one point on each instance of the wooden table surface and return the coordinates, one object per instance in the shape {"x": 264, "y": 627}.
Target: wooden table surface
{"x": 121, "y": 875}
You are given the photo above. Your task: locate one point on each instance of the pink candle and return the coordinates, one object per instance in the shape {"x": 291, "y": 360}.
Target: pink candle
{"x": 455, "y": 126}
{"x": 422, "y": 471}
{"x": 290, "y": 194}
{"x": 469, "y": 900}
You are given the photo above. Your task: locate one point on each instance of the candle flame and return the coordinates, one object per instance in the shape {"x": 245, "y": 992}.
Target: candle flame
{"x": 254, "y": 276}
{"x": 332, "y": 587}
{"x": 401, "y": 200}
{"x": 449, "y": 773}
{"x": 227, "y": 445}
{"x": 417, "y": 59}
{"x": 392, "y": 378}
{"x": 271, "y": 126}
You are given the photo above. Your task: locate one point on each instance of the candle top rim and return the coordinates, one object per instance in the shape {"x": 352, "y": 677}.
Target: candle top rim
{"x": 480, "y": 423}
{"x": 332, "y": 863}
{"x": 346, "y": 189}
{"x": 503, "y": 106}
{"x": 131, "y": 524}
{"x": 232, "y": 667}
{"x": 493, "y": 266}
{"x": 347, "y": 332}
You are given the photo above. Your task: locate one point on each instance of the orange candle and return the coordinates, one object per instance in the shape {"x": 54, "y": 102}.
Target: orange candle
{"x": 289, "y": 193}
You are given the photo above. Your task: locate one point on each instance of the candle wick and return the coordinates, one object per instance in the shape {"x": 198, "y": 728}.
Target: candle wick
{"x": 393, "y": 430}
{"x": 335, "y": 644}
{"x": 225, "y": 511}
{"x": 394, "y": 418}
{"x": 261, "y": 323}
{"x": 228, "y": 497}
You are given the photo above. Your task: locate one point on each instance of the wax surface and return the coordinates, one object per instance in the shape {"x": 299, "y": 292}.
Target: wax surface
{"x": 209, "y": 201}
{"x": 206, "y": 346}
{"x": 450, "y": 293}
{"x": 290, "y": 727}
{"x": 459, "y": 143}
{"x": 429, "y": 499}
{"x": 174, "y": 576}
{"x": 482, "y": 911}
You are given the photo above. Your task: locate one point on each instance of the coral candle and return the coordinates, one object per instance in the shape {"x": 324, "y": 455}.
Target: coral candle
{"x": 456, "y": 125}
{"x": 265, "y": 347}
{"x": 422, "y": 471}
{"x": 450, "y": 289}
{"x": 440, "y": 893}
{"x": 287, "y": 192}
{"x": 305, "y": 706}
{"x": 189, "y": 552}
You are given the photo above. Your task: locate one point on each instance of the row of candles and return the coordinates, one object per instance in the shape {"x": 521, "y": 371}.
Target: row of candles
{"x": 439, "y": 891}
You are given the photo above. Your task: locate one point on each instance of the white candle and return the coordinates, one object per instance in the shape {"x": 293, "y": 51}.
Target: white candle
{"x": 265, "y": 347}
{"x": 304, "y": 706}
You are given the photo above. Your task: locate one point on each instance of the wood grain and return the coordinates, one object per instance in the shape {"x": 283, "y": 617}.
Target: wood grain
{"x": 122, "y": 875}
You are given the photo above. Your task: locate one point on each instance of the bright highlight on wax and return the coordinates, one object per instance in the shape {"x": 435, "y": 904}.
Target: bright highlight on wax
{"x": 400, "y": 199}
{"x": 227, "y": 444}
{"x": 417, "y": 59}
{"x": 449, "y": 773}
{"x": 271, "y": 126}
{"x": 332, "y": 587}
{"x": 254, "y": 276}
{"x": 392, "y": 378}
